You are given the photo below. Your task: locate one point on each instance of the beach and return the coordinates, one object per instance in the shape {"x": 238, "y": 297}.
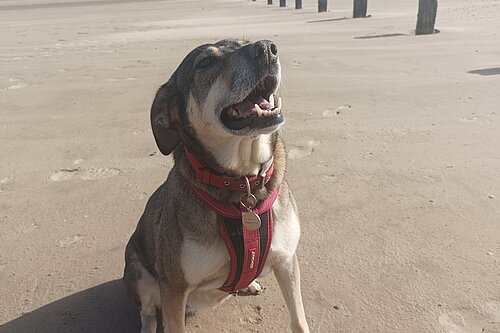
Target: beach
{"x": 393, "y": 157}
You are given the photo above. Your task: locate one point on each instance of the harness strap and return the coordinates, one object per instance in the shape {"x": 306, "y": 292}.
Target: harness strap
{"x": 231, "y": 210}
{"x": 248, "y": 249}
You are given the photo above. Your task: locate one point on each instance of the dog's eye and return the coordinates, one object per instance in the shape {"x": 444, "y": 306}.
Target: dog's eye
{"x": 205, "y": 62}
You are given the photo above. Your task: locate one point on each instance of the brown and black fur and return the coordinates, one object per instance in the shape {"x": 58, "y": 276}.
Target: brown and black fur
{"x": 174, "y": 217}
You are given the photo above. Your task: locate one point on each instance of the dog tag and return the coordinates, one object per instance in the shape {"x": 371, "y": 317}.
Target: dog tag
{"x": 251, "y": 220}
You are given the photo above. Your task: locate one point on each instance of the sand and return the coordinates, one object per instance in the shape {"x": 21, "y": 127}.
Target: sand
{"x": 393, "y": 147}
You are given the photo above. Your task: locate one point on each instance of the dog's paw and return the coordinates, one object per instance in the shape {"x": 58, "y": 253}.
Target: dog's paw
{"x": 253, "y": 289}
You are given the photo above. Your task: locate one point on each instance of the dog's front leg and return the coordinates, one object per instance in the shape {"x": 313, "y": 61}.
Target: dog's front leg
{"x": 173, "y": 308}
{"x": 288, "y": 276}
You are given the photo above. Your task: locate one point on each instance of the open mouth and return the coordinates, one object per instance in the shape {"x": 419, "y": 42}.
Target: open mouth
{"x": 260, "y": 109}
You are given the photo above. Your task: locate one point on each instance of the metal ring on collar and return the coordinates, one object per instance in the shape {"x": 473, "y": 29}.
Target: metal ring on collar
{"x": 247, "y": 182}
{"x": 252, "y": 198}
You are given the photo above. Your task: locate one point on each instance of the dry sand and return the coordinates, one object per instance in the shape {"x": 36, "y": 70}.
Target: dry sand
{"x": 394, "y": 156}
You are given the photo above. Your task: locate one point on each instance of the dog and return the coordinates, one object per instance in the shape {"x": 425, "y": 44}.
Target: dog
{"x": 220, "y": 115}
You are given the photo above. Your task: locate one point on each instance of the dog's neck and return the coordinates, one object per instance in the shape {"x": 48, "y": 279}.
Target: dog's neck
{"x": 220, "y": 158}
{"x": 242, "y": 156}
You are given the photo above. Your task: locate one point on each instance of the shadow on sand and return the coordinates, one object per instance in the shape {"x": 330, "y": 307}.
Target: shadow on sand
{"x": 101, "y": 309}
{"x": 330, "y": 20}
{"x": 380, "y": 36}
{"x": 486, "y": 71}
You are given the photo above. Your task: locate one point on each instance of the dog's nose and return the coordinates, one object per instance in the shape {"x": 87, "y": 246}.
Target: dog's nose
{"x": 263, "y": 48}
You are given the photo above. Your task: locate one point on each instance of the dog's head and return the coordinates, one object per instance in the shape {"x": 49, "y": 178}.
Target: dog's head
{"x": 219, "y": 90}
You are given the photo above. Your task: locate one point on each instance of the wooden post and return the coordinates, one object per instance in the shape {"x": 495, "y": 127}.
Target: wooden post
{"x": 269, "y": 2}
{"x": 282, "y": 3}
{"x": 298, "y": 4}
{"x": 426, "y": 18}
{"x": 322, "y": 4}
{"x": 359, "y": 8}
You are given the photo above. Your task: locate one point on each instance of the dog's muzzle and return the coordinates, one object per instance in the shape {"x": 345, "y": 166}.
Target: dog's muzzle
{"x": 261, "y": 108}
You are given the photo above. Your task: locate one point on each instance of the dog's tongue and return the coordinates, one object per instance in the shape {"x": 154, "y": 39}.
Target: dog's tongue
{"x": 264, "y": 104}
{"x": 247, "y": 107}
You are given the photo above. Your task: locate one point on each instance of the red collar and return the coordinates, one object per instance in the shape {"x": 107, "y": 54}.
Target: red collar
{"x": 206, "y": 176}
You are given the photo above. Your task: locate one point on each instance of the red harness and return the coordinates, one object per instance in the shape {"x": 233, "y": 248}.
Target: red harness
{"x": 248, "y": 249}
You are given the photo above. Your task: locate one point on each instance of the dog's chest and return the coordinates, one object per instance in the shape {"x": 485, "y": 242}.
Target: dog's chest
{"x": 204, "y": 264}
{"x": 207, "y": 266}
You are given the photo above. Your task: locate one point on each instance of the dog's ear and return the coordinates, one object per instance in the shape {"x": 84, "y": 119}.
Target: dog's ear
{"x": 164, "y": 118}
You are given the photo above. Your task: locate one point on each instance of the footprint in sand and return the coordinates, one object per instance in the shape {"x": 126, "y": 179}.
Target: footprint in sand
{"x": 296, "y": 64}
{"x": 16, "y": 84}
{"x": 468, "y": 119}
{"x": 464, "y": 322}
{"x": 71, "y": 240}
{"x": 493, "y": 309}
{"x": 452, "y": 322}
{"x": 296, "y": 151}
{"x": 83, "y": 174}
{"x": 25, "y": 227}
{"x": 253, "y": 315}
{"x": 335, "y": 112}
{"x": 331, "y": 178}
{"x": 6, "y": 180}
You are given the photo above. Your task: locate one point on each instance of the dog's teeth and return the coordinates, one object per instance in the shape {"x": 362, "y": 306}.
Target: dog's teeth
{"x": 271, "y": 100}
{"x": 279, "y": 103}
{"x": 234, "y": 112}
{"x": 259, "y": 110}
